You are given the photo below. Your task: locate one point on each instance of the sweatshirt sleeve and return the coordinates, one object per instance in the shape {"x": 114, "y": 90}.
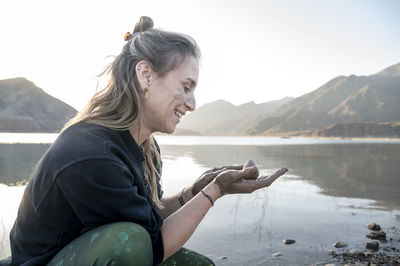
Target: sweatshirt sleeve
{"x": 103, "y": 191}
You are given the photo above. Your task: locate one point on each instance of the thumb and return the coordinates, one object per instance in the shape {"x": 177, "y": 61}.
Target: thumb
{"x": 250, "y": 172}
{"x": 249, "y": 163}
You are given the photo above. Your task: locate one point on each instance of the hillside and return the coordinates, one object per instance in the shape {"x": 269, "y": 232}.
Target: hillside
{"x": 26, "y": 108}
{"x": 343, "y": 100}
{"x": 224, "y": 118}
{"x": 360, "y": 130}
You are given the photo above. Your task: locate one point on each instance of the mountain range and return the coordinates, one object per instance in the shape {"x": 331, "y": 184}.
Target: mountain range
{"x": 346, "y": 106}
{"x": 343, "y": 102}
{"x": 26, "y": 108}
{"x": 224, "y": 118}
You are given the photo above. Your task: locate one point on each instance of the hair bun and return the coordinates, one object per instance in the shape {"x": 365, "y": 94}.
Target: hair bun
{"x": 144, "y": 24}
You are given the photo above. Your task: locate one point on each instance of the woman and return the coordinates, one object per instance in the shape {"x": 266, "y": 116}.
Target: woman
{"x": 95, "y": 196}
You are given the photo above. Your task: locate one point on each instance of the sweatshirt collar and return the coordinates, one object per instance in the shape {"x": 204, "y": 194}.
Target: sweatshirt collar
{"x": 133, "y": 147}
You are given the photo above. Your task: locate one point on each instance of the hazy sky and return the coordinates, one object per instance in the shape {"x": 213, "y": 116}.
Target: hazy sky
{"x": 253, "y": 50}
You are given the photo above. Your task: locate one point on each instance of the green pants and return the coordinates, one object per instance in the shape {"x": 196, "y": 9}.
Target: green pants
{"x": 121, "y": 243}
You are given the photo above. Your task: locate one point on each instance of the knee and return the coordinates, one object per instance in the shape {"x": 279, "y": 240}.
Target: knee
{"x": 125, "y": 243}
{"x": 120, "y": 244}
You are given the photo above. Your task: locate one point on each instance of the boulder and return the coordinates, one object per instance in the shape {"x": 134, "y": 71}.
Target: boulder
{"x": 374, "y": 227}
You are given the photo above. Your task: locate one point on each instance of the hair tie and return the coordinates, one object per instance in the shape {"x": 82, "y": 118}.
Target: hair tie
{"x": 128, "y": 36}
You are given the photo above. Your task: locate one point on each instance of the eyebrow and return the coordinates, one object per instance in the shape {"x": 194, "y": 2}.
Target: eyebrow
{"x": 193, "y": 83}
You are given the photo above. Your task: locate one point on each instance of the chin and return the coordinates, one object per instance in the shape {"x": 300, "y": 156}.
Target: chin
{"x": 169, "y": 130}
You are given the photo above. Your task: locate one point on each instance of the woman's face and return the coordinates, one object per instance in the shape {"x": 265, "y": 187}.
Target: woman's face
{"x": 171, "y": 96}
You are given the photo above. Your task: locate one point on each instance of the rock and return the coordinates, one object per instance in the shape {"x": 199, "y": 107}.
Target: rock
{"x": 374, "y": 227}
{"x": 277, "y": 254}
{"x": 289, "y": 241}
{"x": 355, "y": 252}
{"x": 223, "y": 258}
{"x": 377, "y": 235}
{"x": 332, "y": 252}
{"x": 374, "y": 245}
{"x": 339, "y": 245}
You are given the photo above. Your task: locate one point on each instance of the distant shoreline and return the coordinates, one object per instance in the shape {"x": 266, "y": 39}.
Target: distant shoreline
{"x": 284, "y": 136}
{"x": 38, "y": 138}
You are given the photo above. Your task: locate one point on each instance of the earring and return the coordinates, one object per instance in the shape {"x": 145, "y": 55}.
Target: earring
{"x": 146, "y": 93}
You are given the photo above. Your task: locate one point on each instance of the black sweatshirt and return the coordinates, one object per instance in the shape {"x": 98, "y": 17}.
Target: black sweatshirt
{"x": 89, "y": 177}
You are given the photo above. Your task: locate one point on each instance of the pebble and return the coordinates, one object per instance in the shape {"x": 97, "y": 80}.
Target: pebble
{"x": 289, "y": 241}
{"x": 277, "y": 254}
{"x": 374, "y": 227}
{"x": 355, "y": 252}
{"x": 339, "y": 245}
{"x": 324, "y": 263}
{"x": 374, "y": 245}
{"x": 370, "y": 259}
{"x": 377, "y": 235}
{"x": 223, "y": 258}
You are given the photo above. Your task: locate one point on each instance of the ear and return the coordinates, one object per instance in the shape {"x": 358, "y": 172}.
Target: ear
{"x": 144, "y": 74}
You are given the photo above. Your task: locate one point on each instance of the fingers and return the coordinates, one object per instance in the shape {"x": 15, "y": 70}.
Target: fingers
{"x": 228, "y": 167}
{"x": 250, "y": 172}
{"x": 232, "y": 167}
{"x": 235, "y": 167}
{"x": 245, "y": 180}
{"x": 246, "y": 173}
{"x": 210, "y": 176}
{"x": 267, "y": 180}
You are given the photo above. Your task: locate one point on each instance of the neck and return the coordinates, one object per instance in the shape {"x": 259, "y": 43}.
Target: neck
{"x": 139, "y": 133}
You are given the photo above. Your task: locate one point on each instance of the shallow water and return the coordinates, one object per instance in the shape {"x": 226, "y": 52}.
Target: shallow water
{"x": 333, "y": 189}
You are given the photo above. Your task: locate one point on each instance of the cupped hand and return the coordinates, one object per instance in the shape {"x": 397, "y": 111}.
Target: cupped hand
{"x": 209, "y": 175}
{"x": 245, "y": 180}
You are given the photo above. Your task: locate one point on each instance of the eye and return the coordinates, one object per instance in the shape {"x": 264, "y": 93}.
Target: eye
{"x": 186, "y": 89}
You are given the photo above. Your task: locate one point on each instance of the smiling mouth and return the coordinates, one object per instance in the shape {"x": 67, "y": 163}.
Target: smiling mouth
{"x": 179, "y": 114}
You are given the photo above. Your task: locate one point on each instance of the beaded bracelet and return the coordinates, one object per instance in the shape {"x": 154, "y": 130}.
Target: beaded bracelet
{"x": 208, "y": 197}
{"x": 181, "y": 201}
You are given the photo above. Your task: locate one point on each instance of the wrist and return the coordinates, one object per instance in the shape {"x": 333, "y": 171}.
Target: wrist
{"x": 212, "y": 190}
{"x": 189, "y": 192}
{"x": 185, "y": 195}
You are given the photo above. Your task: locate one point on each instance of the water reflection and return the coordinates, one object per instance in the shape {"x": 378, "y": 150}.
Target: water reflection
{"x": 17, "y": 161}
{"x": 347, "y": 170}
{"x": 357, "y": 170}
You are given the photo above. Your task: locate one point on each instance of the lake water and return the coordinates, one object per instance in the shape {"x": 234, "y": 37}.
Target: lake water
{"x": 332, "y": 190}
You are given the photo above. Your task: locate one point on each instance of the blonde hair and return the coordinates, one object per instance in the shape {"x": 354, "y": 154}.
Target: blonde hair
{"x": 118, "y": 106}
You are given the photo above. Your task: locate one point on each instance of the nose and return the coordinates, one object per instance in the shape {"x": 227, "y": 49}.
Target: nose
{"x": 190, "y": 103}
